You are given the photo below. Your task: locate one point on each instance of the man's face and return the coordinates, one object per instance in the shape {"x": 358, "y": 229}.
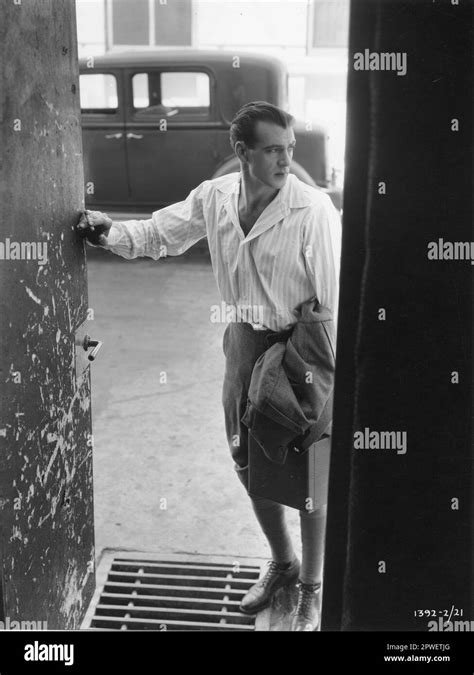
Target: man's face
{"x": 270, "y": 158}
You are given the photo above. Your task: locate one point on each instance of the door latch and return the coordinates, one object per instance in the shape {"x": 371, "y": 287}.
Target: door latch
{"x": 85, "y": 349}
{"x": 88, "y": 343}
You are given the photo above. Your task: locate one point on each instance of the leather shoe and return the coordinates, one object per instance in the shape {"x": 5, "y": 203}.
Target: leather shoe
{"x": 260, "y": 594}
{"x": 307, "y": 613}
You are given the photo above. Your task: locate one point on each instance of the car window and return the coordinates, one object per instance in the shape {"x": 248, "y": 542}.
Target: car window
{"x": 175, "y": 94}
{"x": 98, "y": 92}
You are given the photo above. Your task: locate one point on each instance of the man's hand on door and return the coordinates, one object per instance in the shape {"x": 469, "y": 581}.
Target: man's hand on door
{"x": 95, "y": 226}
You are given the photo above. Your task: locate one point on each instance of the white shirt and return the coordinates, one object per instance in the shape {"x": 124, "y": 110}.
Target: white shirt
{"x": 291, "y": 253}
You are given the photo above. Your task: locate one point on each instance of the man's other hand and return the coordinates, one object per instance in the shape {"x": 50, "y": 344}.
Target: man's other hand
{"x": 95, "y": 226}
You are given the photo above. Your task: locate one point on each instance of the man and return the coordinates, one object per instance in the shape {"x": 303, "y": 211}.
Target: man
{"x": 274, "y": 243}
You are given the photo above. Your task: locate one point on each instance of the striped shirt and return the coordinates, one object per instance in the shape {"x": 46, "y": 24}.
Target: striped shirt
{"x": 291, "y": 253}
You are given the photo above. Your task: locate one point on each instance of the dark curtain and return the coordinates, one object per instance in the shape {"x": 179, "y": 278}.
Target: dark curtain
{"x": 399, "y": 535}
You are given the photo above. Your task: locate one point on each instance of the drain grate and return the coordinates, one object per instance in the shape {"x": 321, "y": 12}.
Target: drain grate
{"x": 141, "y": 592}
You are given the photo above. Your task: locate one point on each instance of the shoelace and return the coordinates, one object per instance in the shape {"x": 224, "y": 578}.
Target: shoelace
{"x": 305, "y": 598}
{"x": 272, "y": 568}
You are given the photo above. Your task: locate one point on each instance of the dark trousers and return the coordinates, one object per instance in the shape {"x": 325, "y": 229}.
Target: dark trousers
{"x": 242, "y": 346}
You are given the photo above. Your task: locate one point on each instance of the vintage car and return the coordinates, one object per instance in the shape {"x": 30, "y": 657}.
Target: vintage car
{"x": 156, "y": 123}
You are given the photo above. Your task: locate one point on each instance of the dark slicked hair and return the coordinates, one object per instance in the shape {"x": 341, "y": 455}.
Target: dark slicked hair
{"x": 243, "y": 125}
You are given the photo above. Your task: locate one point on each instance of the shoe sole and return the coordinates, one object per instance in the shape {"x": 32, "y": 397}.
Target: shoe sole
{"x": 253, "y": 612}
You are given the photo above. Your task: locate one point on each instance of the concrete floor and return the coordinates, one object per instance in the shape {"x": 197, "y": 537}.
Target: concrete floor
{"x": 164, "y": 480}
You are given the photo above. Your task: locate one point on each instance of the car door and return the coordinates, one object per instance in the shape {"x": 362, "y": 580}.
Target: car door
{"x": 103, "y": 137}
{"x": 171, "y": 132}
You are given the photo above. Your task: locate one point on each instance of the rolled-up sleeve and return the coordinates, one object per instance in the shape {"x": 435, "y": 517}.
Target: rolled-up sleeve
{"x": 170, "y": 231}
{"x": 322, "y": 252}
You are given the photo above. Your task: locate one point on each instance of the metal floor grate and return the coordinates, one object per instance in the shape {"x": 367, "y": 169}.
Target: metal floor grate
{"x": 141, "y": 591}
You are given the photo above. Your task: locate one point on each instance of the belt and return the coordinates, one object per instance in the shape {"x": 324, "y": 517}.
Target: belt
{"x": 271, "y": 336}
{"x": 280, "y": 336}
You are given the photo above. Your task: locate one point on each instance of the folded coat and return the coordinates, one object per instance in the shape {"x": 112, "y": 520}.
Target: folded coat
{"x": 290, "y": 397}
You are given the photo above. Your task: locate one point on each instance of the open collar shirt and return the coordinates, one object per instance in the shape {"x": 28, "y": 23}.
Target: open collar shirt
{"x": 291, "y": 253}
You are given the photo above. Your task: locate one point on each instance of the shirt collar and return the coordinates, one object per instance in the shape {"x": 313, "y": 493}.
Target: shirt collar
{"x": 294, "y": 194}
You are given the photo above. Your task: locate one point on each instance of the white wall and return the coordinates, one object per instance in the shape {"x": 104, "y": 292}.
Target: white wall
{"x": 90, "y": 16}
{"x": 279, "y": 24}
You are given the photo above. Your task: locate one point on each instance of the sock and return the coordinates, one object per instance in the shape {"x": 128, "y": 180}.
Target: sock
{"x": 271, "y": 517}
{"x": 313, "y": 529}
{"x": 284, "y": 566}
{"x": 310, "y": 587}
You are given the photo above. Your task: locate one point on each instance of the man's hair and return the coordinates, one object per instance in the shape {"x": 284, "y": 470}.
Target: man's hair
{"x": 243, "y": 125}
